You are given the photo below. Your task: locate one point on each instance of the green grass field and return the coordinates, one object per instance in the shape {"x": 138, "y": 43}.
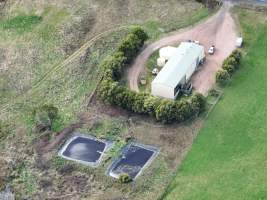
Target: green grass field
{"x": 229, "y": 157}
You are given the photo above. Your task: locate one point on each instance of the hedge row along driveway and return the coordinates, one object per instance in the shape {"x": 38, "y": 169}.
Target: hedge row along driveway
{"x": 112, "y": 92}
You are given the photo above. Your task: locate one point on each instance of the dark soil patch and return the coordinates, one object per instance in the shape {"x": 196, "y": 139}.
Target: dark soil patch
{"x": 112, "y": 111}
{"x": 76, "y": 183}
{"x": 61, "y": 136}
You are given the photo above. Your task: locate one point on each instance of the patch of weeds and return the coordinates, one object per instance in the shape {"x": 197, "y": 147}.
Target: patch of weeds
{"x": 29, "y": 181}
{"x": 153, "y": 29}
{"x": 21, "y": 23}
{"x": 58, "y": 163}
{"x": 213, "y": 96}
{"x": 107, "y": 129}
{"x": 150, "y": 65}
{"x": 22, "y": 175}
{"x": 52, "y": 19}
{"x": 58, "y": 124}
{"x": 116, "y": 148}
{"x": 5, "y": 130}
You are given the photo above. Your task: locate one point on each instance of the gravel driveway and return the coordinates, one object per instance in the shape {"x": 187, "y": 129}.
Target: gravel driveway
{"x": 218, "y": 30}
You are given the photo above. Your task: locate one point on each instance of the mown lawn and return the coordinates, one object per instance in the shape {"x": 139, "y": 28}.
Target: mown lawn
{"x": 229, "y": 158}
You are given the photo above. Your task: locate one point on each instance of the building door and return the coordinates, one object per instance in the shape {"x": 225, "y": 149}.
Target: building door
{"x": 197, "y": 62}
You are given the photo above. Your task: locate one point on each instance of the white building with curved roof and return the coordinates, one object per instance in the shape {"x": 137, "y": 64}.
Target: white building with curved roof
{"x": 178, "y": 70}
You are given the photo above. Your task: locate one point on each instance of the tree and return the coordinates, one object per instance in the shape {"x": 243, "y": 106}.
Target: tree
{"x": 237, "y": 54}
{"x": 222, "y": 77}
{"x": 140, "y": 33}
{"x": 231, "y": 61}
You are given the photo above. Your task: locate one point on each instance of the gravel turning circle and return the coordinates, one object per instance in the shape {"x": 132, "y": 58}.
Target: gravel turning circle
{"x": 218, "y": 30}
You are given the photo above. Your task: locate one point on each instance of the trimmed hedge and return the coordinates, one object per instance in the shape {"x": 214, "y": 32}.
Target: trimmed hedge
{"x": 229, "y": 67}
{"x": 110, "y": 90}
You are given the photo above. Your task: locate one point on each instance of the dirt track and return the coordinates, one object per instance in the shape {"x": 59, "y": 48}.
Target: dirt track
{"x": 219, "y": 30}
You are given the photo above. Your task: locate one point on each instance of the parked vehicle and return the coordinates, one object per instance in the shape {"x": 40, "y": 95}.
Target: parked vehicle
{"x": 155, "y": 71}
{"x": 239, "y": 42}
{"x": 212, "y": 50}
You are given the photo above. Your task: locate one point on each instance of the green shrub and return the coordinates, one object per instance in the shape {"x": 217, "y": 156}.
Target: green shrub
{"x": 132, "y": 43}
{"x": 230, "y": 65}
{"x": 199, "y": 102}
{"x": 222, "y": 77}
{"x": 229, "y": 68}
{"x": 44, "y": 117}
{"x": 141, "y": 34}
{"x": 150, "y": 104}
{"x": 138, "y": 104}
{"x": 113, "y": 66}
{"x": 237, "y": 54}
{"x": 183, "y": 110}
{"x": 130, "y": 46}
{"x": 165, "y": 112}
{"x": 125, "y": 178}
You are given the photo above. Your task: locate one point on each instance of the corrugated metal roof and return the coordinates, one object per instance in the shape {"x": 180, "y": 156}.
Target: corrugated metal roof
{"x": 176, "y": 68}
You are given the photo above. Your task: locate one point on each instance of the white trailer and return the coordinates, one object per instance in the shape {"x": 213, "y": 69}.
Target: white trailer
{"x": 167, "y": 52}
{"x": 178, "y": 70}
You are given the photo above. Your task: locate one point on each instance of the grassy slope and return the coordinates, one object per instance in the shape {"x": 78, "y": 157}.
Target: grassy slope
{"x": 69, "y": 87}
{"x": 228, "y": 159}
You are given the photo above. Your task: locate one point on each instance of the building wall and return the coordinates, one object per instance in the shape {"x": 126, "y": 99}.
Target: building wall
{"x": 162, "y": 91}
{"x": 191, "y": 70}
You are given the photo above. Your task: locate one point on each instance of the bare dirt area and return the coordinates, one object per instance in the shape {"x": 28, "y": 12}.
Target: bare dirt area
{"x": 219, "y": 30}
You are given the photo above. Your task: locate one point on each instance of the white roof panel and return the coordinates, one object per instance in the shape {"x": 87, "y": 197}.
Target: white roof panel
{"x": 176, "y": 68}
{"x": 167, "y": 52}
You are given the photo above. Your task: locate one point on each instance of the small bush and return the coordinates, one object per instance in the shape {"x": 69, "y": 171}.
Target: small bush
{"x": 222, "y": 77}
{"x": 125, "y": 178}
{"x": 199, "y": 101}
{"x": 237, "y": 54}
{"x": 141, "y": 34}
{"x": 44, "y": 117}
{"x": 230, "y": 65}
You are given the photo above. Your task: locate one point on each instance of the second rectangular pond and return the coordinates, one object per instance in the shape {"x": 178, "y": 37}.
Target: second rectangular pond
{"x": 133, "y": 160}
